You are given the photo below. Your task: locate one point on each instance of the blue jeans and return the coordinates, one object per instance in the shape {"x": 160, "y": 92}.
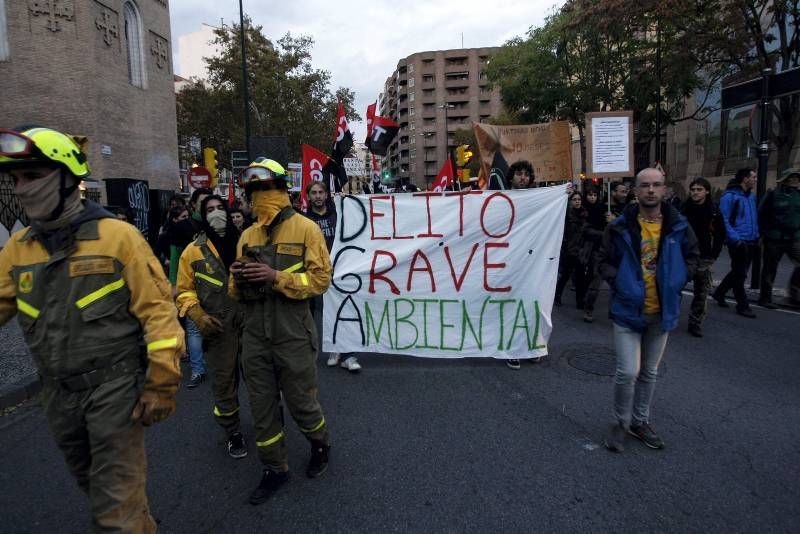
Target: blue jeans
{"x": 194, "y": 342}
{"x": 638, "y": 356}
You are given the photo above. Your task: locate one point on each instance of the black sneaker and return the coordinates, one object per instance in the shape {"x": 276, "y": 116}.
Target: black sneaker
{"x": 236, "y": 447}
{"x": 513, "y": 364}
{"x": 720, "y": 300}
{"x": 647, "y": 435}
{"x": 270, "y": 483}
{"x": 747, "y": 312}
{"x": 196, "y": 380}
{"x": 696, "y": 330}
{"x": 615, "y": 440}
{"x": 318, "y": 463}
{"x": 588, "y": 317}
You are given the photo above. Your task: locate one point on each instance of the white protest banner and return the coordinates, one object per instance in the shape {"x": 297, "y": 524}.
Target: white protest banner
{"x": 445, "y": 275}
{"x": 354, "y": 167}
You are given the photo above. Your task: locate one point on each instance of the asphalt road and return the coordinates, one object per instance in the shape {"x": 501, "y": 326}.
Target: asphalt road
{"x": 469, "y": 445}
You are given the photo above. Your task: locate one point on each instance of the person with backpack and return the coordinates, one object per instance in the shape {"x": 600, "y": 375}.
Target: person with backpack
{"x": 779, "y": 217}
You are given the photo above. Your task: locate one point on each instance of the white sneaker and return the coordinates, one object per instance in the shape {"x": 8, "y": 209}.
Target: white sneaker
{"x": 333, "y": 359}
{"x": 351, "y": 364}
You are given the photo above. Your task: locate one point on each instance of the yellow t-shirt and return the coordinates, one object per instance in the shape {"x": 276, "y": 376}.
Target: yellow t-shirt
{"x": 651, "y": 235}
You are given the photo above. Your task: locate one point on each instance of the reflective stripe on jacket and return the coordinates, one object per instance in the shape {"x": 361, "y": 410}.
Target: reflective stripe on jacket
{"x": 89, "y": 306}
{"x": 203, "y": 279}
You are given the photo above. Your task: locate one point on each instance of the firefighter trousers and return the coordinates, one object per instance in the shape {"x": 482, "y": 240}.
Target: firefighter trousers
{"x": 222, "y": 355}
{"x": 104, "y": 450}
{"x": 288, "y": 368}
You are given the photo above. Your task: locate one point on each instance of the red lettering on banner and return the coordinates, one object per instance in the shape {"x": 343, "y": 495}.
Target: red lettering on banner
{"x": 380, "y": 275}
{"x": 461, "y": 206}
{"x": 487, "y": 266}
{"x": 394, "y": 224}
{"x": 510, "y": 222}
{"x": 428, "y": 207}
{"x": 375, "y": 214}
{"x": 427, "y": 269}
{"x": 457, "y": 283}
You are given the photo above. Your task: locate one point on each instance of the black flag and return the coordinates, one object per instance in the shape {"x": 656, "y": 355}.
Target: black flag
{"x": 342, "y": 137}
{"x": 498, "y": 172}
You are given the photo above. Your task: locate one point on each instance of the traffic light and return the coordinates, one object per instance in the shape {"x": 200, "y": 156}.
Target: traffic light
{"x": 463, "y": 155}
{"x": 210, "y": 163}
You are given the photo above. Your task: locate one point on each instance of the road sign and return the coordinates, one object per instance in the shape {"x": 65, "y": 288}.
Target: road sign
{"x": 741, "y": 94}
{"x": 199, "y": 177}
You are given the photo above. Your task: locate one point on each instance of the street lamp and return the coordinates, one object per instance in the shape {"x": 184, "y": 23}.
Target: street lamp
{"x": 445, "y": 107}
{"x": 245, "y": 91}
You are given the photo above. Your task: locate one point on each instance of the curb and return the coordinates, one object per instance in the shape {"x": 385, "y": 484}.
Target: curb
{"x": 20, "y": 391}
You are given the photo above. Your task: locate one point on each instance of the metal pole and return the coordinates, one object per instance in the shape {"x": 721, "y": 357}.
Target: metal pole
{"x": 658, "y": 94}
{"x": 245, "y": 89}
{"x": 763, "y": 162}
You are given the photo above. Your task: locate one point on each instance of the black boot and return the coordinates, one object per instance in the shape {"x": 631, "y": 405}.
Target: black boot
{"x": 270, "y": 482}
{"x": 318, "y": 463}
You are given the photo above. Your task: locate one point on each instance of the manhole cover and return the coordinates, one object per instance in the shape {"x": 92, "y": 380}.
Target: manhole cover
{"x": 599, "y": 361}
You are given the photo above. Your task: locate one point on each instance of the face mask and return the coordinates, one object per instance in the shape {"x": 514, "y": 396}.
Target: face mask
{"x": 218, "y": 220}
{"x": 267, "y": 204}
{"x": 39, "y": 198}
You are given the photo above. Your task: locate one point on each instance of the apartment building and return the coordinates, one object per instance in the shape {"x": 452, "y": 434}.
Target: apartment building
{"x": 431, "y": 95}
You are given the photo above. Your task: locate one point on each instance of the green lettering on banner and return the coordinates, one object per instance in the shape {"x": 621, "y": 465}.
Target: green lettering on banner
{"x": 520, "y": 326}
{"x": 443, "y": 325}
{"x": 404, "y": 319}
{"x": 425, "y": 303}
{"x": 502, "y": 304}
{"x": 465, "y": 321}
{"x": 371, "y": 324}
{"x": 536, "y": 329}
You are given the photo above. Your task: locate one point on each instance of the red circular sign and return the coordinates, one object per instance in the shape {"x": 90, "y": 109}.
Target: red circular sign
{"x": 199, "y": 177}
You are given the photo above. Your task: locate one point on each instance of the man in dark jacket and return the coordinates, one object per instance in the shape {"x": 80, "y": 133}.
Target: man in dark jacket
{"x": 706, "y": 221}
{"x": 779, "y": 219}
{"x": 738, "y": 207}
{"x": 649, "y": 253}
{"x": 322, "y": 211}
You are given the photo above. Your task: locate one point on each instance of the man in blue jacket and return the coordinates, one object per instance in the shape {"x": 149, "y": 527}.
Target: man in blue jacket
{"x": 649, "y": 253}
{"x": 740, "y": 213}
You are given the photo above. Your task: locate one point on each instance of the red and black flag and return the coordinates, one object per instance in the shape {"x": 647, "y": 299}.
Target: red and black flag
{"x": 384, "y": 131}
{"x": 342, "y": 137}
{"x": 498, "y": 178}
{"x": 317, "y": 166}
{"x": 370, "y": 119}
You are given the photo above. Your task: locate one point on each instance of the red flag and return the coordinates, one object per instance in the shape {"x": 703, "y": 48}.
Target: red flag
{"x": 370, "y": 120}
{"x": 231, "y": 193}
{"x": 444, "y": 178}
{"x": 481, "y": 178}
{"x": 314, "y": 163}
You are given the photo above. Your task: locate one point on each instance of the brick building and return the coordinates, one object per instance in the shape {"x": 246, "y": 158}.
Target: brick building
{"x": 431, "y": 95}
{"x": 97, "y": 68}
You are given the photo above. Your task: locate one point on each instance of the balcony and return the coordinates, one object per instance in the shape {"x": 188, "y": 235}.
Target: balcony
{"x": 453, "y": 83}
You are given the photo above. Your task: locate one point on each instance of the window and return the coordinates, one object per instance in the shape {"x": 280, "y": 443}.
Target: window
{"x": 413, "y": 153}
{"x": 4, "y": 50}
{"x": 411, "y": 82}
{"x": 411, "y": 110}
{"x": 411, "y": 69}
{"x": 428, "y": 78}
{"x": 411, "y": 96}
{"x": 133, "y": 42}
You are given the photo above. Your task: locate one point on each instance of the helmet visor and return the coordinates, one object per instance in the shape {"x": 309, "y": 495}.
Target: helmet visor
{"x": 14, "y": 144}
{"x": 259, "y": 174}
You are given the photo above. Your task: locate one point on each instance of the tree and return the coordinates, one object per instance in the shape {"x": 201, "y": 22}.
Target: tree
{"x": 601, "y": 56}
{"x": 287, "y": 95}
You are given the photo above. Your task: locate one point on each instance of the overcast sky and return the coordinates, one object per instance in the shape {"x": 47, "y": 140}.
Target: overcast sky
{"x": 360, "y": 41}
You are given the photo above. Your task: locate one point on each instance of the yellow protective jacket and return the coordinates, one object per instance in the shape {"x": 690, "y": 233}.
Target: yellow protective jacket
{"x": 92, "y": 306}
{"x": 203, "y": 279}
{"x": 294, "y": 246}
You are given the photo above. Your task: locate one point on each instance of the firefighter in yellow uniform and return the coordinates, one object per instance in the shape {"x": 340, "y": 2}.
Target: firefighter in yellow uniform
{"x": 96, "y": 312}
{"x": 282, "y": 263}
{"x": 203, "y": 296}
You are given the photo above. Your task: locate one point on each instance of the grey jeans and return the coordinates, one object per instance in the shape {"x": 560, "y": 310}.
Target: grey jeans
{"x": 638, "y": 356}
